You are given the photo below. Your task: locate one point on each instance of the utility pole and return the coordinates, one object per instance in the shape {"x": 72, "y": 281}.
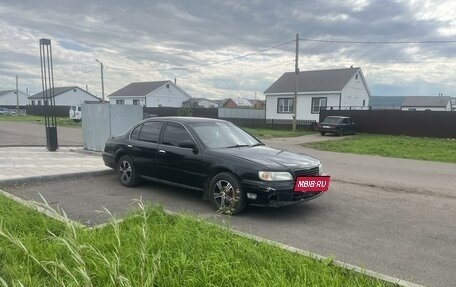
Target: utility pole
{"x": 17, "y": 95}
{"x": 295, "y": 98}
{"x": 102, "y": 81}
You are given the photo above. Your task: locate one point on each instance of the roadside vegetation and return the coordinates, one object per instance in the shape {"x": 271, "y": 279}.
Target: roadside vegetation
{"x": 61, "y": 121}
{"x": 433, "y": 149}
{"x": 150, "y": 248}
{"x": 269, "y": 133}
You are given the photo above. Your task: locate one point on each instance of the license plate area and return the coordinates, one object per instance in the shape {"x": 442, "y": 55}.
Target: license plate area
{"x": 311, "y": 183}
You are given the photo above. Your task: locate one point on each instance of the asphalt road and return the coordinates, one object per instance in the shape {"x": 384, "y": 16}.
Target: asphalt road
{"x": 394, "y": 216}
{"x": 34, "y": 134}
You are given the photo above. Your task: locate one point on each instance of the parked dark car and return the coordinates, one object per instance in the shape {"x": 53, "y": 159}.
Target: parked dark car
{"x": 230, "y": 166}
{"x": 338, "y": 125}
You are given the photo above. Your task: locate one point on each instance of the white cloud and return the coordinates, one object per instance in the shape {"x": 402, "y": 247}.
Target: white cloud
{"x": 146, "y": 41}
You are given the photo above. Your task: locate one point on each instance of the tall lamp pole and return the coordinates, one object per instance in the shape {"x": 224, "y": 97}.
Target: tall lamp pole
{"x": 102, "y": 81}
{"x": 295, "y": 98}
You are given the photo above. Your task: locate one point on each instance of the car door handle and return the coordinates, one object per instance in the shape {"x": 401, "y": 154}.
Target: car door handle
{"x": 161, "y": 151}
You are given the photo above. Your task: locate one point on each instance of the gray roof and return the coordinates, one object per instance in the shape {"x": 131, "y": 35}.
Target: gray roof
{"x": 138, "y": 89}
{"x": 386, "y": 102}
{"x": 6, "y": 92}
{"x": 313, "y": 81}
{"x": 426, "y": 101}
{"x": 57, "y": 91}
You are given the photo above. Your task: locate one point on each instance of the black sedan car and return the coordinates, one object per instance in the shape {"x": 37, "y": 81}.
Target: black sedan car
{"x": 230, "y": 166}
{"x": 338, "y": 125}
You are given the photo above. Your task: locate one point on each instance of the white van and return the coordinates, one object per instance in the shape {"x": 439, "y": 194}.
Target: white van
{"x": 76, "y": 113}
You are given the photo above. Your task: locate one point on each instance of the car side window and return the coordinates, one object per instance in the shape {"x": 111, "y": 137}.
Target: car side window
{"x": 345, "y": 121}
{"x": 135, "y": 133}
{"x": 150, "y": 132}
{"x": 175, "y": 134}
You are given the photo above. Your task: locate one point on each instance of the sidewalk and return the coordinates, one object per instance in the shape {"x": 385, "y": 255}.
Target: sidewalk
{"x": 35, "y": 163}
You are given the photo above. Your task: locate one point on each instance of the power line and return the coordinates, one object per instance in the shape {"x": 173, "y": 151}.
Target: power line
{"x": 209, "y": 64}
{"x": 378, "y": 42}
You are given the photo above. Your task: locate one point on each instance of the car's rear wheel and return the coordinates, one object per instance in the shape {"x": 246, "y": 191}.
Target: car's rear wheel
{"x": 126, "y": 172}
{"x": 322, "y": 133}
{"x": 225, "y": 193}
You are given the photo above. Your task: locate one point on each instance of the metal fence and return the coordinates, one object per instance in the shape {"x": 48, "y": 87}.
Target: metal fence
{"x": 396, "y": 122}
{"x": 170, "y": 111}
{"x": 272, "y": 124}
{"x": 56, "y": 111}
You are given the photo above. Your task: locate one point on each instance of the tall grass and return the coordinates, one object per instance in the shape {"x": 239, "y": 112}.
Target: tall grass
{"x": 149, "y": 248}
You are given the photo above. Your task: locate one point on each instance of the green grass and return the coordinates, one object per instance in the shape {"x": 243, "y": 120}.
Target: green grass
{"x": 61, "y": 121}
{"x": 150, "y": 248}
{"x": 268, "y": 133}
{"x": 433, "y": 149}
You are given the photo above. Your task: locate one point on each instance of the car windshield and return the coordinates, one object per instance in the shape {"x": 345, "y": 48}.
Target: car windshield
{"x": 223, "y": 135}
{"x": 332, "y": 120}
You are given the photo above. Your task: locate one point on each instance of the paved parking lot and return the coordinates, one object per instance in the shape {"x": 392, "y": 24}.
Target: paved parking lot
{"x": 34, "y": 134}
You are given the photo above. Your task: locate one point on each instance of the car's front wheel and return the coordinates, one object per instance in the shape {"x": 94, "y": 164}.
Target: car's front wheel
{"x": 225, "y": 193}
{"x": 126, "y": 172}
{"x": 322, "y": 133}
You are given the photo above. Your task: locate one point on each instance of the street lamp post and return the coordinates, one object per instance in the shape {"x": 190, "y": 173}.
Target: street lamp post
{"x": 102, "y": 81}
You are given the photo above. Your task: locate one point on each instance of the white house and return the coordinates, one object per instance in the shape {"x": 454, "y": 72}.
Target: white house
{"x": 9, "y": 98}
{"x": 200, "y": 103}
{"x": 316, "y": 89}
{"x": 150, "y": 94}
{"x": 64, "y": 96}
{"x": 426, "y": 103}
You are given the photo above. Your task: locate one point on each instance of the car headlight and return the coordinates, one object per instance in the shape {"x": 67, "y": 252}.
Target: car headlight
{"x": 320, "y": 169}
{"x": 274, "y": 175}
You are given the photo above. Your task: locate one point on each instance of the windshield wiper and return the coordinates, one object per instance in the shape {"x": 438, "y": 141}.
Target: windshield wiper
{"x": 238, "y": 145}
{"x": 257, "y": 144}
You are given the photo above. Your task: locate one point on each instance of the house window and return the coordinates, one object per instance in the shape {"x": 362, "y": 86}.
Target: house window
{"x": 120, "y": 102}
{"x": 317, "y": 104}
{"x": 136, "y": 102}
{"x": 39, "y": 102}
{"x": 285, "y": 106}
{"x": 33, "y": 102}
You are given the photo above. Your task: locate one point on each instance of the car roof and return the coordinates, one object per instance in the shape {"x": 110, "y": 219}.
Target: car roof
{"x": 341, "y": 117}
{"x": 185, "y": 119}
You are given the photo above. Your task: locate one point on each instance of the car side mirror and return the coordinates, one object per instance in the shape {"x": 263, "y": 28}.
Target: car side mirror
{"x": 189, "y": 144}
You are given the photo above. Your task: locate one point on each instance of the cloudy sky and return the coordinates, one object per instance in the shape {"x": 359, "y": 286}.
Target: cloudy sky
{"x": 227, "y": 48}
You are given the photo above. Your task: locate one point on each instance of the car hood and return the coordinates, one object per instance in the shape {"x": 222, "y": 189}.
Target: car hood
{"x": 272, "y": 158}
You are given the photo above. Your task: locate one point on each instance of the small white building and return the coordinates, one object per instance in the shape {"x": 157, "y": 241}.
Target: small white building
{"x": 64, "y": 96}
{"x": 322, "y": 88}
{"x": 200, "y": 103}
{"x": 150, "y": 94}
{"x": 426, "y": 103}
{"x": 9, "y": 98}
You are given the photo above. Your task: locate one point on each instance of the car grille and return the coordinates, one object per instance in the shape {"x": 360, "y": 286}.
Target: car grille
{"x": 306, "y": 172}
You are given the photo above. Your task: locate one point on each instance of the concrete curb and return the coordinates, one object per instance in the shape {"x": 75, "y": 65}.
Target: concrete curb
{"x": 45, "y": 178}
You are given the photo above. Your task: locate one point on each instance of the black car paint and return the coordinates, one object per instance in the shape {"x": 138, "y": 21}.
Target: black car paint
{"x": 194, "y": 167}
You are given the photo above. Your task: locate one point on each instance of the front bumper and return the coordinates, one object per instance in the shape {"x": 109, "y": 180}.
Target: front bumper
{"x": 275, "y": 194}
{"x": 329, "y": 130}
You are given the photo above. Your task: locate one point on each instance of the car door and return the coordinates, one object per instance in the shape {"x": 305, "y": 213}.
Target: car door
{"x": 143, "y": 147}
{"x": 179, "y": 160}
